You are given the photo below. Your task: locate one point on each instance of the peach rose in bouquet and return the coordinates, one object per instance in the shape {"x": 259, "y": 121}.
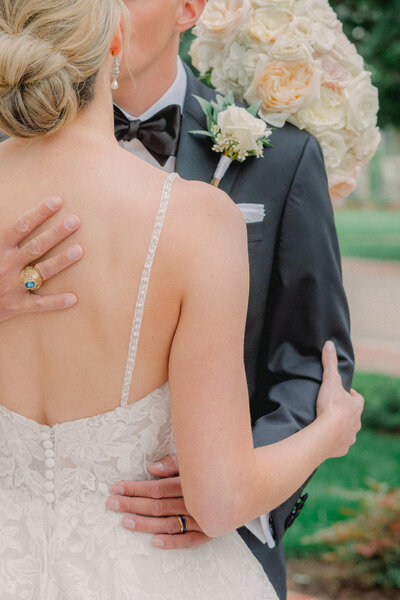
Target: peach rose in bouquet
{"x": 283, "y": 88}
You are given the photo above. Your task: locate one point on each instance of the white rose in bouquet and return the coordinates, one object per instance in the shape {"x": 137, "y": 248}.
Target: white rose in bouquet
{"x": 334, "y": 149}
{"x": 222, "y": 17}
{"x": 288, "y": 4}
{"x": 365, "y": 145}
{"x": 293, "y": 57}
{"x": 248, "y": 67}
{"x": 234, "y": 69}
{"x": 363, "y": 103}
{"x": 345, "y": 52}
{"x": 334, "y": 74}
{"x": 318, "y": 10}
{"x": 266, "y": 24}
{"x": 289, "y": 47}
{"x": 203, "y": 53}
{"x": 323, "y": 39}
{"x": 327, "y": 112}
{"x": 302, "y": 28}
{"x": 318, "y": 36}
{"x": 226, "y": 71}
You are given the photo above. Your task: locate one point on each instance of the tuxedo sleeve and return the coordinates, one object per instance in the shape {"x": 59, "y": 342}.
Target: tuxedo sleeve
{"x": 306, "y": 306}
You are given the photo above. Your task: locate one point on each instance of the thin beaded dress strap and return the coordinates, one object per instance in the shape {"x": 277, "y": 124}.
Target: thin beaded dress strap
{"x": 144, "y": 284}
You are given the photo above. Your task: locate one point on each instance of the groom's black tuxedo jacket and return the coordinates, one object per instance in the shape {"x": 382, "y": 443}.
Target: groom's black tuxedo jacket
{"x": 297, "y": 301}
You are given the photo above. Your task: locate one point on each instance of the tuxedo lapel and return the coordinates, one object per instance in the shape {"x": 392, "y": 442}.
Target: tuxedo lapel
{"x": 195, "y": 159}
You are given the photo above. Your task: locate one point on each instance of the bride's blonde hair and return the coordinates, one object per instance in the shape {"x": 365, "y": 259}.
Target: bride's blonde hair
{"x": 50, "y": 54}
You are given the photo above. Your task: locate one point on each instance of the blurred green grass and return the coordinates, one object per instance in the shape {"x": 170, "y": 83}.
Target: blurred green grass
{"x": 375, "y": 456}
{"x": 370, "y": 234}
{"x": 382, "y": 401}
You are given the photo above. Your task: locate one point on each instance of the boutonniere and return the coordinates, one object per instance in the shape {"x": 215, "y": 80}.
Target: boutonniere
{"x": 237, "y": 132}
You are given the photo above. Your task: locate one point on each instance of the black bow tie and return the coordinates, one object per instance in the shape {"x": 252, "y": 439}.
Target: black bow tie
{"x": 159, "y": 134}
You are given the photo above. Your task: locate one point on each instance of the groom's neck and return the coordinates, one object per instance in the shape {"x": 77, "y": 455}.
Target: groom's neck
{"x": 138, "y": 92}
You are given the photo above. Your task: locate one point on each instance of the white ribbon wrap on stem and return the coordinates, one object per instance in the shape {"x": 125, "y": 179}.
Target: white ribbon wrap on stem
{"x": 222, "y": 167}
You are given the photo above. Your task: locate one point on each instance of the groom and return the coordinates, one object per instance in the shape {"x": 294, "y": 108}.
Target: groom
{"x": 296, "y": 296}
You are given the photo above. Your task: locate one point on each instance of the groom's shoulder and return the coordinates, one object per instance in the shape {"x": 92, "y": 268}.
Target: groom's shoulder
{"x": 291, "y": 145}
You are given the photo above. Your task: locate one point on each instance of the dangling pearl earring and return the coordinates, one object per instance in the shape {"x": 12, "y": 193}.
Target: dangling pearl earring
{"x": 115, "y": 73}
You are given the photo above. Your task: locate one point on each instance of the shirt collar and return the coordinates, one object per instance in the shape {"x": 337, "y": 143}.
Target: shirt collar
{"x": 175, "y": 94}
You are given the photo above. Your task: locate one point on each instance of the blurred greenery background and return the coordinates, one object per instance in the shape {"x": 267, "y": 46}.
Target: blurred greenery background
{"x": 368, "y": 225}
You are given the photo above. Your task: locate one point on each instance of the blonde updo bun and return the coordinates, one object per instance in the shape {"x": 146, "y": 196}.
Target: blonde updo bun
{"x": 50, "y": 54}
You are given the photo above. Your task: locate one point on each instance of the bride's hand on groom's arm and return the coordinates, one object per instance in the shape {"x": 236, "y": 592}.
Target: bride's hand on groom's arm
{"x": 153, "y": 505}
{"x": 16, "y": 253}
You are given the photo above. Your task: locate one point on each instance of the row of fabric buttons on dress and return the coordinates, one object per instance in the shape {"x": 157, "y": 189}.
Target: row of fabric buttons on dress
{"x": 48, "y": 446}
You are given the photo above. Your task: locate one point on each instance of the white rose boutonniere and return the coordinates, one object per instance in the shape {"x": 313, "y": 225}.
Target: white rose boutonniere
{"x": 237, "y": 132}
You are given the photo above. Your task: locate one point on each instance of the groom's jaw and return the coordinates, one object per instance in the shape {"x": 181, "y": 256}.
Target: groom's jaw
{"x": 150, "y": 68}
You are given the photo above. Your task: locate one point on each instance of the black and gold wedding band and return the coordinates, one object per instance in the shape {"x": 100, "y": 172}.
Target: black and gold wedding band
{"x": 182, "y": 523}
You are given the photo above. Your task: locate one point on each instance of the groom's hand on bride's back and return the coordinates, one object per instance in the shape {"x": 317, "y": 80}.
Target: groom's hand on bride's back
{"x": 16, "y": 253}
{"x": 154, "y": 505}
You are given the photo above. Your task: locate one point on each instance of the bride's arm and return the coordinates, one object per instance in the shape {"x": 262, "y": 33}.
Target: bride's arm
{"x": 225, "y": 481}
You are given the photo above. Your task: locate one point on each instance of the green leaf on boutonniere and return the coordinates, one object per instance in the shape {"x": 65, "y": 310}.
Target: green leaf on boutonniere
{"x": 254, "y": 109}
{"x": 229, "y": 99}
{"x": 205, "y": 106}
{"x": 206, "y": 133}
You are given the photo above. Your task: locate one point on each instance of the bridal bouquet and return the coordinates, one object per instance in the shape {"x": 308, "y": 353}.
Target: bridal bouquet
{"x": 293, "y": 57}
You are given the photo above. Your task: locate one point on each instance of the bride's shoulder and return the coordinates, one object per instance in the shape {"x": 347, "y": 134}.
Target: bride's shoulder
{"x": 205, "y": 207}
{"x": 206, "y": 223}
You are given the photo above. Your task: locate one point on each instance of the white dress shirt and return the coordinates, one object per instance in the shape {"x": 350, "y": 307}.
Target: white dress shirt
{"x": 176, "y": 95}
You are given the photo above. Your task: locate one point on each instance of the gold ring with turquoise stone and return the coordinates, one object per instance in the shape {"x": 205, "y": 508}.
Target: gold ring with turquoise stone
{"x": 31, "y": 278}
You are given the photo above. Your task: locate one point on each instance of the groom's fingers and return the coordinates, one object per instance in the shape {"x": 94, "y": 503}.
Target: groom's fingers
{"x": 180, "y": 542}
{"x": 167, "y": 467}
{"x": 167, "y": 525}
{"x": 148, "y": 507}
{"x": 157, "y": 489}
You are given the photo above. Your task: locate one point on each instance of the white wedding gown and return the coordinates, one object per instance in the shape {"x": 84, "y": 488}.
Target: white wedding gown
{"x": 58, "y": 541}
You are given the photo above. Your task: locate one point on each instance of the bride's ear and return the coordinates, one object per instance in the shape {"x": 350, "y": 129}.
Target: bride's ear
{"x": 116, "y": 44}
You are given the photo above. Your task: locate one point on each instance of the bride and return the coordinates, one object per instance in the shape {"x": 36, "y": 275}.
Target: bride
{"x": 84, "y": 401}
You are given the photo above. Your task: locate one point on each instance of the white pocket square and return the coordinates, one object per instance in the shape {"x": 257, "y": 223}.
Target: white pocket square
{"x": 253, "y": 213}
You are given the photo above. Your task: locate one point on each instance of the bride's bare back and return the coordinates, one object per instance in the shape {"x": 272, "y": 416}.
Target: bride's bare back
{"x": 63, "y": 366}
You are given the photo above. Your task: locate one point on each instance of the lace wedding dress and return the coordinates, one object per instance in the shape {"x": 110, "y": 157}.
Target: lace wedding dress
{"x": 57, "y": 539}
